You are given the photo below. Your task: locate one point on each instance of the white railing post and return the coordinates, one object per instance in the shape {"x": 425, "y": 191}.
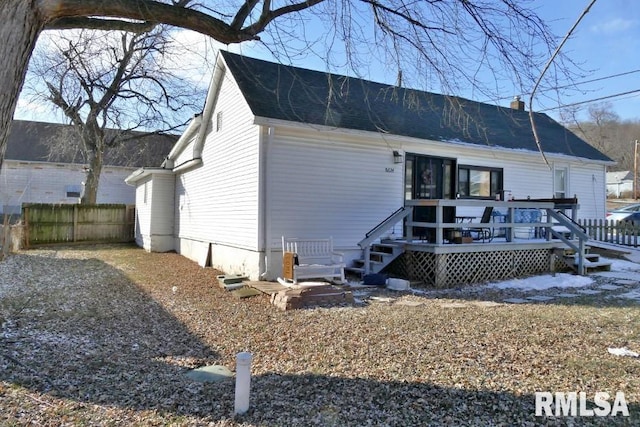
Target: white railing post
{"x": 243, "y": 382}
{"x": 367, "y": 259}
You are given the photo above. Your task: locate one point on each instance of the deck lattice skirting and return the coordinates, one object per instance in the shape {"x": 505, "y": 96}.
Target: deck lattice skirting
{"x": 447, "y": 270}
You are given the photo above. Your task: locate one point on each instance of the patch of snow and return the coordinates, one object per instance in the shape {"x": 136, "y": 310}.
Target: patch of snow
{"x": 622, "y": 351}
{"x": 540, "y": 283}
{"x": 622, "y": 265}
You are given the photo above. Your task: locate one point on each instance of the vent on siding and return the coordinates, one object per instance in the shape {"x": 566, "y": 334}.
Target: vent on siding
{"x": 219, "y": 121}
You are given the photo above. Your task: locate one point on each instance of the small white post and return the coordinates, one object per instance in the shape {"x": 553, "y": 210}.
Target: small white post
{"x": 243, "y": 382}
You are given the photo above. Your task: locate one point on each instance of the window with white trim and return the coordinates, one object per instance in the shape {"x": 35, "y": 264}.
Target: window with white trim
{"x": 73, "y": 190}
{"x": 560, "y": 182}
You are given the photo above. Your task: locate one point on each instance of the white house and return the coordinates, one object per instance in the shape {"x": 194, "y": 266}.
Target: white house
{"x": 619, "y": 183}
{"x": 286, "y": 151}
{"x": 28, "y": 176}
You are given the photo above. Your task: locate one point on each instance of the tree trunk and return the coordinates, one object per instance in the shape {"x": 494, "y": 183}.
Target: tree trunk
{"x": 90, "y": 195}
{"x": 19, "y": 31}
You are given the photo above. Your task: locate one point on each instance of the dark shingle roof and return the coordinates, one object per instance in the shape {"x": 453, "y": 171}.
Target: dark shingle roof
{"x": 294, "y": 94}
{"x": 30, "y": 141}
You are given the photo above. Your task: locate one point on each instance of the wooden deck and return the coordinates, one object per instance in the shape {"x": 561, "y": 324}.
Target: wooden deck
{"x": 509, "y": 242}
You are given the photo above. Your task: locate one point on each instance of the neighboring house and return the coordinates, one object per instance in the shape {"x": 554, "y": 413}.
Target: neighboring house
{"x": 27, "y": 176}
{"x": 619, "y": 183}
{"x": 286, "y": 151}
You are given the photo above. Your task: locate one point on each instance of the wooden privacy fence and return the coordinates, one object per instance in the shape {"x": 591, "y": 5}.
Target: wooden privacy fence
{"x": 65, "y": 223}
{"x": 621, "y": 232}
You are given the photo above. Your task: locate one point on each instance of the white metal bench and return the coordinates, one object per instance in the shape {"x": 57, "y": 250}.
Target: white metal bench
{"x": 316, "y": 259}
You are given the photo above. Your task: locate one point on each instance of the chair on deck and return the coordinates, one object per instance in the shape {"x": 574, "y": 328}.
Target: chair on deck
{"x": 484, "y": 233}
{"x": 527, "y": 215}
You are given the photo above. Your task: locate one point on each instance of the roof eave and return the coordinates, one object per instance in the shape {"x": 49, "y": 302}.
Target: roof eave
{"x": 141, "y": 173}
{"x": 266, "y": 121}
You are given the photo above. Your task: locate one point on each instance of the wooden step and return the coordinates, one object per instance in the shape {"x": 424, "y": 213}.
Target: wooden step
{"x": 589, "y": 257}
{"x": 590, "y": 266}
{"x": 356, "y": 270}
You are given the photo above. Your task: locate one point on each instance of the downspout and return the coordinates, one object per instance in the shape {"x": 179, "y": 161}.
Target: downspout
{"x": 198, "y": 126}
{"x": 209, "y": 107}
{"x": 266, "y": 206}
{"x": 185, "y": 138}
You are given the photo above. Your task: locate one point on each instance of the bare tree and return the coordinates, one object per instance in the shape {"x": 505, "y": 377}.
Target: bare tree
{"x": 444, "y": 42}
{"x": 109, "y": 84}
{"x": 604, "y": 130}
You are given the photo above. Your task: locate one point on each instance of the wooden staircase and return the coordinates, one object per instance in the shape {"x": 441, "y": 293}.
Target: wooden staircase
{"x": 380, "y": 256}
{"x": 592, "y": 262}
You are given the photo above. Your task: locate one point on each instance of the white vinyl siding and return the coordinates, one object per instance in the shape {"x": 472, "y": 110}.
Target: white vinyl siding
{"x": 154, "y": 212}
{"x": 319, "y": 187}
{"x": 42, "y": 182}
{"x": 588, "y": 183}
{"x": 143, "y": 213}
{"x": 217, "y": 202}
{"x": 162, "y": 196}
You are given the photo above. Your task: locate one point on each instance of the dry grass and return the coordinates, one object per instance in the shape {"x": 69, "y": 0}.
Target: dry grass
{"x": 97, "y": 336}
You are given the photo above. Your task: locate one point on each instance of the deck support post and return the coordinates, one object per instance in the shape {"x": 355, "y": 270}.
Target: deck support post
{"x": 442, "y": 271}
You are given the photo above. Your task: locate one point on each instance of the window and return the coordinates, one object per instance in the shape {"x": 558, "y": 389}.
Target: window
{"x": 560, "y": 182}
{"x": 480, "y": 182}
{"x": 73, "y": 190}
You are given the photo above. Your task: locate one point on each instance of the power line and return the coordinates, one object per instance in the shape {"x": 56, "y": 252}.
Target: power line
{"x": 590, "y": 100}
{"x": 611, "y": 76}
{"x": 594, "y": 80}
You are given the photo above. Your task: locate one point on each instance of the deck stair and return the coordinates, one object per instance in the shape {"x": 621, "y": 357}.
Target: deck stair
{"x": 380, "y": 256}
{"x": 592, "y": 262}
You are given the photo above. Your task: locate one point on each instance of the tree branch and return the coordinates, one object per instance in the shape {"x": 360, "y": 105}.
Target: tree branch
{"x": 152, "y": 12}
{"x": 100, "y": 24}
{"x": 405, "y": 16}
{"x": 269, "y": 15}
{"x": 243, "y": 13}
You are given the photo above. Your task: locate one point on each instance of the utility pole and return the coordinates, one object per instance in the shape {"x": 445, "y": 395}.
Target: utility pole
{"x": 635, "y": 170}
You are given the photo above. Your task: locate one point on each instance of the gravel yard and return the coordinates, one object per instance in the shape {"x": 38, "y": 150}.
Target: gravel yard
{"x": 104, "y": 335}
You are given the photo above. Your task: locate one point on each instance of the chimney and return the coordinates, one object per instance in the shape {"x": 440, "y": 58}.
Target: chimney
{"x": 516, "y": 104}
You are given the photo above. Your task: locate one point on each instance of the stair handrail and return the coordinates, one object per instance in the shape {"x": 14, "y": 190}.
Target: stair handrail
{"x": 575, "y": 229}
{"x": 381, "y": 223}
{"x": 572, "y": 225}
{"x": 384, "y": 225}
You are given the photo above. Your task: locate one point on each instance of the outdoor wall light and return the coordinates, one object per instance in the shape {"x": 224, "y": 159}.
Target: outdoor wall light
{"x": 397, "y": 156}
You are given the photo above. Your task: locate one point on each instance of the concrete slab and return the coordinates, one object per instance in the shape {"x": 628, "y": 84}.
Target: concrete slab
{"x": 245, "y": 292}
{"x": 516, "y": 301}
{"x": 383, "y": 299}
{"x": 589, "y": 292}
{"x": 211, "y": 373}
{"x": 541, "y": 298}
{"x": 567, "y": 295}
{"x": 228, "y": 279}
{"x": 609, "y": 287}
{"x": 635, "y": 295}
{"x": 624, "y": 282}
{"x": 232, "y": 286}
